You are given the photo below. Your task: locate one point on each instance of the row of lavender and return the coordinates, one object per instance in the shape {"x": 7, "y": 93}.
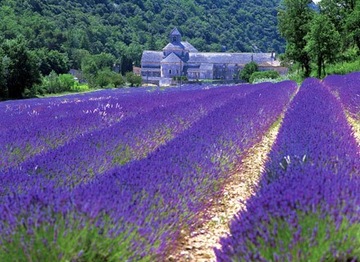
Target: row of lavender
{"x": 347, "y": 87}
{"x": 130, "y": 139}
{"x": 35, "y": 126}
{"x": 137, "y": 210}
{"x": 307, "y": 207}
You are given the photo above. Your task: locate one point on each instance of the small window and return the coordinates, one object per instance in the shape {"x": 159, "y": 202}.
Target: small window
{"x": 170, "y": 71}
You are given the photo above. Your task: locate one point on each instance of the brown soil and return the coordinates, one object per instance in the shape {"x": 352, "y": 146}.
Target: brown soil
{"x": 199, "y": 245}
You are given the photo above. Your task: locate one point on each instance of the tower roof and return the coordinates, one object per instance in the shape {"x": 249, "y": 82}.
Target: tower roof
{"x": 175, "y": 32}
{"x": 174, "y": 47}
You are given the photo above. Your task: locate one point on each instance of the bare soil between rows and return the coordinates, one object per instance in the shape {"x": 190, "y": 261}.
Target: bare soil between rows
{"x": 199, "y": 245}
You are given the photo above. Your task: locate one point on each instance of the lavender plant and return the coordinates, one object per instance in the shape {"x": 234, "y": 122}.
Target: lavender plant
{"x": 307, "y": 204}
{"x": 46, "y": 124}
{"x": 145, "y": 203}
{"x": 176, "y": 181}
{"x": 348, "y": 89}
{"x": 130, "y": 139}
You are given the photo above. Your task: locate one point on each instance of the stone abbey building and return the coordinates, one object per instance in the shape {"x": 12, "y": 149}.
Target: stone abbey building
{"x": 180, "y": 58}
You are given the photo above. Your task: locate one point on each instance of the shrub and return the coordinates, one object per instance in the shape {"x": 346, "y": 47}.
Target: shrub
{"x": 248, "y": 70}
{"x": 344, "y": 68}
{"x": 108, "y": 79}
{"x": 271, "y": 74}
{"x": 133, "y": 79}
{"x": 52, "y": 84}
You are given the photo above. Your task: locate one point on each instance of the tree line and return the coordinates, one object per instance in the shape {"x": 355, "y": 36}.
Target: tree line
{"x": 317, "y": 36}
{"x": 99, "y": 35}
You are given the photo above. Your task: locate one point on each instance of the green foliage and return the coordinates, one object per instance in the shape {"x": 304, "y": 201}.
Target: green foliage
{"x": 320, "y": 38}
{"x": 248, "y": 70}
{"x": 52, "y": 60}
{"x": 318, "y": 236}
{"x": 93, "y": 66}
{"x": 83, "y": 87}
{"x": 132, "y": 79}
{"x": 352, "y": 25}
{"x": 256, "y": 76}
{"x": 180, "y": 78}
{"x": 322, "y": 42}
{"x": 108, "y": 79}
{"x": 3, "y": 66}
{"x": 103, "y": 26}
{"x": 343, "y": 68}
{"x": 294, "y": 23}
{"x": 345, "y": 15}
{"x": 54, "y": 83}
{"x": 18, "y": 68}
{"x": 68, "y": 239}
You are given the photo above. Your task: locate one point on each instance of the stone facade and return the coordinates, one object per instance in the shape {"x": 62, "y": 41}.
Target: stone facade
{"x": 180, "y": 58}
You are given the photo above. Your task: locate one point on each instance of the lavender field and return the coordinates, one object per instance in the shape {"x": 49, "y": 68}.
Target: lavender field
{"x": 307, "y": 205}
{"x": 116, "y": 175}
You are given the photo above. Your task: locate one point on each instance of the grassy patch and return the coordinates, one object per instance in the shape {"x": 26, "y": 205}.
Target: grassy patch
{"x": 67, "y": 240}
{"x": 315, "y": 238}
{"x": 343, "y": 68}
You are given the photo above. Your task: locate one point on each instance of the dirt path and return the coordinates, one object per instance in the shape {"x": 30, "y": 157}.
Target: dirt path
{"x": 198, "y": 245}
{"x": 356, "y": 127}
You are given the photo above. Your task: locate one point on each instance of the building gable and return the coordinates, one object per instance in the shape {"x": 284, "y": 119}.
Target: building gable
{"x": 172, "y": 58}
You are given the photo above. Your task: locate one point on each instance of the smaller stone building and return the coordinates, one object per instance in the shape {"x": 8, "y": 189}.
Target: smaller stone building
{"x": 179, "y": 58}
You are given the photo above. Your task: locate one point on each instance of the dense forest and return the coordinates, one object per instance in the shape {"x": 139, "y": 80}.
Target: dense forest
{"x": 125, "y": 28}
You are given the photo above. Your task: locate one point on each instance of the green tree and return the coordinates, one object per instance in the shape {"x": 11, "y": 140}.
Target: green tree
{"x": 21, "y": 68}
{"x": 92, "y": 64}
{"x": 54, "y": 83}
{"x": 345, "y": 16}
{"x": 3, "y": 68}
{"x": 132, "y": 79}
{"x": 322, "y": 42}
{"x": 76, "y": 57}
{"x": 352, "y": 25}
{"x": 52, "y": 60}
{"x": 248, "y": 70}
{"x": 67, "y": 82}
{"x": 107, "y": 78}
{"x": 294, "y": 23}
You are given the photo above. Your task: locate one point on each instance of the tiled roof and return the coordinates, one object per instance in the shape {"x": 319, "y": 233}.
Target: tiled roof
{"x": 230, "y": 58}
{"x": 189, "y": 46}
{"x": 205, "y": 67}
{"x": 171, "y": 46}
{"x": 152, "y": 57}
{"x": 172, "y": 58}
{"x": 174, "y": 32}
{"x": 212, "y": 58}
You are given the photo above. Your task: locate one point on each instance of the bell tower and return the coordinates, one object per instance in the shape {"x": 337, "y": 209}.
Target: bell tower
{"x": 175, "y": 37}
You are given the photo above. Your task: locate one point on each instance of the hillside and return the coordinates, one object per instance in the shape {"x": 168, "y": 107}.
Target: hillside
{"x": 125, "y": 28}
